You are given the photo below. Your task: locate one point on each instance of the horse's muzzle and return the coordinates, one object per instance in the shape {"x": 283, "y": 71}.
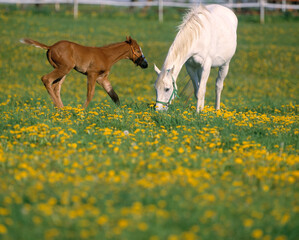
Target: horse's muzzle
{"x": 141, "y": 61}
{"x": 161, "y": 107}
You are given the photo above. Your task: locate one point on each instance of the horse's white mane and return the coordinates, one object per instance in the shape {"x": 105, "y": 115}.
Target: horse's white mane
{"x": 189, "y": 30}
{"x": 192, "y": 15}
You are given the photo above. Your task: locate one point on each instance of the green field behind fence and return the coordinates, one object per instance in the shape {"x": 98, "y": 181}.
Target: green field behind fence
{"x": 129, "y": 172}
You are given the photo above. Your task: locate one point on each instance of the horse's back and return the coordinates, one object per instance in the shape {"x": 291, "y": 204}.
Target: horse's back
{"x": 223, "y": 13}
{"x": 224, "y": 33}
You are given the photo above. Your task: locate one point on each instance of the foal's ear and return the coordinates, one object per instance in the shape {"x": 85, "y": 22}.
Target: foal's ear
{"x": 128, "y": 39}
{"x": 157, "y": 70}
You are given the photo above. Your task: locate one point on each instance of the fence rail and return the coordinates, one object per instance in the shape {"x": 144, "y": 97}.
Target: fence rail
{"x": 260, "y": 4}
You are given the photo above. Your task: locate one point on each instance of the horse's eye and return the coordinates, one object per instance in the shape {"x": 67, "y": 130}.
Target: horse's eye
{"x": 167, "y": 89}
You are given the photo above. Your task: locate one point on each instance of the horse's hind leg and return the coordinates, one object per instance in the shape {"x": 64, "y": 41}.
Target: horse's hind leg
{"x": 194, "y": 77}
{"x": 222, "y": 73}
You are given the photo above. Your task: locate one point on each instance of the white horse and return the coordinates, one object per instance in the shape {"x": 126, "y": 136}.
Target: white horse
{"x": 206, "y": 38}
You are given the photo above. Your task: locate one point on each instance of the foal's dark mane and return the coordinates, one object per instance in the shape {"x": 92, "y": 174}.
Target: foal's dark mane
{"x": 113, "y": 44}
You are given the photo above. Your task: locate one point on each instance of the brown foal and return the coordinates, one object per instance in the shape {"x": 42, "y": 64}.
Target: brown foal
{"x": 95, "y": 62}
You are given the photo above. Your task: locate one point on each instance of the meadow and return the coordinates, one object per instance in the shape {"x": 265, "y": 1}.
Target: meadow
{"x": 130, "y": 172}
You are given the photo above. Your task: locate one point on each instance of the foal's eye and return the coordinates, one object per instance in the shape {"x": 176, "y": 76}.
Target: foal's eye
{"x": 167, "y": 89}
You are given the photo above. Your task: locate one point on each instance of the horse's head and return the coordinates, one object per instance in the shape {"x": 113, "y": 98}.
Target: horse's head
{"x": 166, "y": 89}
{"x": 136, "y": 53}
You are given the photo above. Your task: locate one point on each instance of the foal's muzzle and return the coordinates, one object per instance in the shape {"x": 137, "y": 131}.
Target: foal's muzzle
{"x": 141, "y": 61}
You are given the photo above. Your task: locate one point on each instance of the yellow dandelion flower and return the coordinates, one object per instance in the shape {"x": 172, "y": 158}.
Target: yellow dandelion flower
{"x": 181, "y": 150}
{"x": 266, "y": 188}
{"x": 247, "y": 222}
{"x": 212, "y": 145}
{"x": 102, "y": 220}
{"x": 123, "y": 223}
{"x": 173, "y": 237}
{"x": 238, "y": 161}
{"x": 51, "y": 233}
{"x": 257, "y": 233}
{"x": 142, "y": 226}
{"x": 3, "y": 229}
{"x": 285, "y": 218}
{"x": 281, "y": 237}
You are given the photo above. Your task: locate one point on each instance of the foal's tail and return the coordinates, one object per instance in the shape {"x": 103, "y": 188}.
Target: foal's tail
{"x": 34, "y": 43}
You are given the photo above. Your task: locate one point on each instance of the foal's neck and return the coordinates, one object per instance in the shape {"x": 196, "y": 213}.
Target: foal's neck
{"x": 117, "y": 51}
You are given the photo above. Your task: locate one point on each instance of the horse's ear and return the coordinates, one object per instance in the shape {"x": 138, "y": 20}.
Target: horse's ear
{"x": 128, "y": 39}
{"x": 170, "y": 70}
{"x": 157, "y": 70}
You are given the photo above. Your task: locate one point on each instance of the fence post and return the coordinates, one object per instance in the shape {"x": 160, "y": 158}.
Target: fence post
{"x": 57, "y": 6}
{"x": 283, "y": 8}
{"x": 262, "y": 11}
{"x": 160, "y": 10}
{"x": 75, "y": 9}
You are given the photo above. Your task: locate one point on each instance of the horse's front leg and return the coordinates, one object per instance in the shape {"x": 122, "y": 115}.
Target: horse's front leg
{"x": 203, "y": 79}
{"x": 223, "y": 70}
{"x": 104, "y": 82}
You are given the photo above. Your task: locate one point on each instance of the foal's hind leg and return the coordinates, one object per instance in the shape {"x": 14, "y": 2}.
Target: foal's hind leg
{"x": 222, "y": 73}
{"x": 57, "y": 88}
{"x": 49, "y": 79}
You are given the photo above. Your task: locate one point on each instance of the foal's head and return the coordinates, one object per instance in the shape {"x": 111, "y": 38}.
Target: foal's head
{"x": 136, "y": 54}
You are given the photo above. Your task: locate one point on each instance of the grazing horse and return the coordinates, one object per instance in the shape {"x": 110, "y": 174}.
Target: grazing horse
{"x": 206, "y": 38}
{"x": 95, "y": 62}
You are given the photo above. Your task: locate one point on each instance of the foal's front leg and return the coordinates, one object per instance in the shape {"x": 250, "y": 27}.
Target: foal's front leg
{"x": 104, "y": 82}
{"x": 91, "y": 81}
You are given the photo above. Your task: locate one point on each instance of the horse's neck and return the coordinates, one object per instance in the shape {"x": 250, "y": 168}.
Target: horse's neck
{"x": 177, "y": 68}
{"x": 176, "y": 58}
{"x": 177, "y": 64}
{"x": 117, "y": 51}
{"x": 182, "y": 47}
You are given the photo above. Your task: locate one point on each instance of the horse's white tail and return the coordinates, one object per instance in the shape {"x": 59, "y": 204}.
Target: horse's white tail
{"x": 34, "y": 43}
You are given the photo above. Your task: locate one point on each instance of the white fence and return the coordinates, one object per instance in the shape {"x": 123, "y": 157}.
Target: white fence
{"x": 260, "y": 4}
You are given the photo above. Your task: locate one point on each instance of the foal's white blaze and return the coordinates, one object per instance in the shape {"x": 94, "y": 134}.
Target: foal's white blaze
{"x": 141, "y": 51}
{"x": 206, "y": 38}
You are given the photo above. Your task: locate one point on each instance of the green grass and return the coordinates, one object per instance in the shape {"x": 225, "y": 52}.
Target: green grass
{"x": 129, "y": 172}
